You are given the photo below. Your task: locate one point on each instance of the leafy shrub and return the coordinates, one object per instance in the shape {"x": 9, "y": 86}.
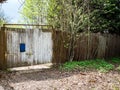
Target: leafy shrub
{"x": 115, "y": 60}
{"x": 97, "y": 64}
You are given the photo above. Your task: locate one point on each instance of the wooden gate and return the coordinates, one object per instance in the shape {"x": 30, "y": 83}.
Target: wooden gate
{"x": 28, "y": 47}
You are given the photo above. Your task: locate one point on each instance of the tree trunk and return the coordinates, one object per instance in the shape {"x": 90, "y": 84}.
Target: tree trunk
{"x": 71, "y": 47}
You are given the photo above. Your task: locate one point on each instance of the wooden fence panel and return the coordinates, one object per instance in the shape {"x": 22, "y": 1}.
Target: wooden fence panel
{"x": 92, "y": 46}
{"x": 113, "y": 46}
{"x": 60, "y": 50}
{"x": 38, "y": 47}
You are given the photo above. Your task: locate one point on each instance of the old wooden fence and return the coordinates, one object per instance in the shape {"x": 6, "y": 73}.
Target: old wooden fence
{"x": 21, "y": 47}
{"x": 87, "y": 46}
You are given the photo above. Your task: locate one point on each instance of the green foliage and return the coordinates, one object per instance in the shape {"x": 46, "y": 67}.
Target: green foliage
{"x": 54, "y": 13}
{"x": 98, "y": 64}
{"x": 63, "y": 15}
{"x": 34, "y": 11}
{"x": 115, "y": 60}
{"x": 98, "y": 15}
{"x": 75, "y": 15}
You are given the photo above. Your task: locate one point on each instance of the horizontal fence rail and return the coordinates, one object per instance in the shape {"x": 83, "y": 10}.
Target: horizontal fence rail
{"x": 28, "y": 26}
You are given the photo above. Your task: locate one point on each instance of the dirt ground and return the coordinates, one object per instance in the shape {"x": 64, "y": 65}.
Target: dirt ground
{"x": 54, "y": 79}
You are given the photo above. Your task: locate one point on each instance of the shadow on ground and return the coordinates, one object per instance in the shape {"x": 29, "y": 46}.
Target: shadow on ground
{"x": 40, "y": 74}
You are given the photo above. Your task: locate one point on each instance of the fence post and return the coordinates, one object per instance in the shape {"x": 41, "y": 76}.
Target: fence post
{"x": 3, "y": 48}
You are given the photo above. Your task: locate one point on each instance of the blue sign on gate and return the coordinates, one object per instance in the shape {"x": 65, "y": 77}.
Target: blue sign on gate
{"x": 22, "y": 47}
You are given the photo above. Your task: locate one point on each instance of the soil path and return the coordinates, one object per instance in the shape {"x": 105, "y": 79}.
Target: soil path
{"x": 54, "y": 79}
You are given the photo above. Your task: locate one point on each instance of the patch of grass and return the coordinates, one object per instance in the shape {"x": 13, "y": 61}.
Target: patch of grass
{"x": 115, "y": 87}
{"x": 118, "y": 68}
{"x": 97, "y": 64}
{"x": 115, "y": 60}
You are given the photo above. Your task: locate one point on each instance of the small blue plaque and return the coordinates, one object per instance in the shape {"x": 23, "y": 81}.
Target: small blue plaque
{"x": 22, "y": 47}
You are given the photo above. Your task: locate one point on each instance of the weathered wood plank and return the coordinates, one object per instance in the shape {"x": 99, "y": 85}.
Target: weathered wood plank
{"x": 38, "y": 47}
{"x": 3, "y": 62}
